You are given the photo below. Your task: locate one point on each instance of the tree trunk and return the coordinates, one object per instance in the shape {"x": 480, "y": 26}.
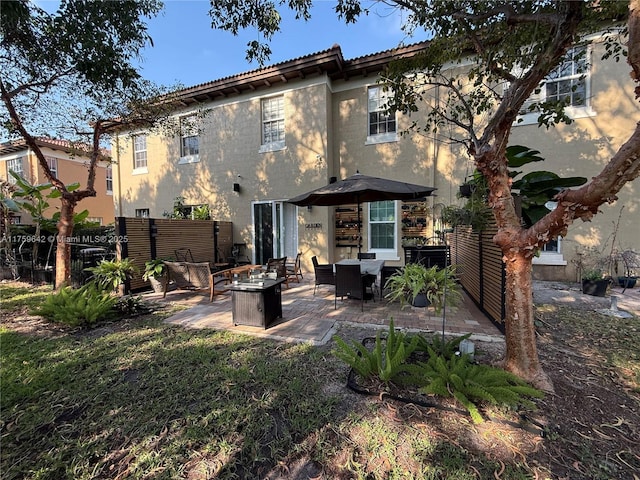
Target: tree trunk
{"x": 63, "y": 253}
{"x": 522, "y": 356}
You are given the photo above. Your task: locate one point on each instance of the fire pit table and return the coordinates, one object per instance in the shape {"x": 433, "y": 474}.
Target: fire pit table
{"x": 256, "y": 303}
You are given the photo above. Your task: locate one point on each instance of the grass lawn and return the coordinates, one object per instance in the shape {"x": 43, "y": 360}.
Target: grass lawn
{"x": 141, "y": 399}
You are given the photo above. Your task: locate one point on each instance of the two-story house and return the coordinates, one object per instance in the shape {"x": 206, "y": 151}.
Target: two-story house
{"x": 249, "y": 142}
{"x": 67, "y": 164}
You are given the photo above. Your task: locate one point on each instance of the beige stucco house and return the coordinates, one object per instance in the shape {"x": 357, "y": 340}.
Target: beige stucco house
{"x": 69, "y": 166}
{"x": 249, "y": 142}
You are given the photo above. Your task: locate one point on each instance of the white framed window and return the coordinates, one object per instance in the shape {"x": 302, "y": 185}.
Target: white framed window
{"x": 551, "y": 254}
{"x": 189, "y": 139}
{"x": 109, "y": 180}
{"x": 381, "y": 124}
{"x": 140, "y": 152}
{"x": 15, "y": 165}
{"x": 272, "y": 124}
{"x": 569, "y": 82}
{"x": 142, "y": 212}
{"x": 97, "y": 220}
{"x": 382, "y": 228}
{"x": 52, "y": 162}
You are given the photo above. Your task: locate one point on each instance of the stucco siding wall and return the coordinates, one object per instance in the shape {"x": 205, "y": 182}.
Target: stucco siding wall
{"x": 582, "y": 149}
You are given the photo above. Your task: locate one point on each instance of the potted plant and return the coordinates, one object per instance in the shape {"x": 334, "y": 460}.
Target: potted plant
{"x": 114, "y": 274}
{"x": 420, "y": 286}
{"x": 154, "y": 270}
{"x": 630, "y": 260}
{"x": 594, "y": 283}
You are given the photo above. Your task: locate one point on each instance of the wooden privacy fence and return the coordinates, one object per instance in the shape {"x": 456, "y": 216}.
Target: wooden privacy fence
{"x": 481, "y": 271}
{"x": 143, "y": 239}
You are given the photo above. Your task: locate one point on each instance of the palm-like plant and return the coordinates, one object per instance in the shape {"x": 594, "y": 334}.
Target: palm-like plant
{"x": 439, "y": 285}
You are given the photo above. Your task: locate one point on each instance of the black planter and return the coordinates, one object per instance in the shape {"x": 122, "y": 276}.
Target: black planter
{"x": 627, "y": 282}
{"x": 597, "y": 288}
{"x": 420, "y": 301}
{"x": 466, "y": 190}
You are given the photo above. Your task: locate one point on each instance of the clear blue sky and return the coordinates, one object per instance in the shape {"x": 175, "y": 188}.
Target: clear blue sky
{"x": 188, "y": 51}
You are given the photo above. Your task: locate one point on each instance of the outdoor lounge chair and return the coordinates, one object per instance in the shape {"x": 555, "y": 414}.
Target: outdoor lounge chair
{"x": 280, "y": 266}
{"x": 294, "y": 270}
{"x": 350, "y": 282}
{"x": 323, "y": 273}
{"x": 193, "y": 276}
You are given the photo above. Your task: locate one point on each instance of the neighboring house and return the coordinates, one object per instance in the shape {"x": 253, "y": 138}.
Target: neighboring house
{"x": 249, "y": 142}
{"x": 66, "y": 164}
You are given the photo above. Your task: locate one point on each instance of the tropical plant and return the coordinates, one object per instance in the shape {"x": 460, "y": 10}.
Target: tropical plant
{"x": 387, "y": 360}
{"x": 471, "y": 384}
{"x": 78, "y": 307}
{"x": 438, "y": 284}
{"x": 153, "y": 269}
{"x": 109, "y": 274}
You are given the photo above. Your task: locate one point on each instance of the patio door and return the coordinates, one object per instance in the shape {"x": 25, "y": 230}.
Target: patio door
{"x": 276, "y": 230}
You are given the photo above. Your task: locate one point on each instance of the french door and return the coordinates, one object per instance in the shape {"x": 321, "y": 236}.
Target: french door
{"x": 276, "y": 230}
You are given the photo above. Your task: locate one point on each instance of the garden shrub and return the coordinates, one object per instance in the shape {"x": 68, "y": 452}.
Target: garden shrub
{"x": 78, "y": 307}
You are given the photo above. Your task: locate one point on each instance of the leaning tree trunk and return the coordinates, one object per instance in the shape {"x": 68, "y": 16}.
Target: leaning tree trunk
{"x": 63, "y": 252}
{"x": 522, "y": 356}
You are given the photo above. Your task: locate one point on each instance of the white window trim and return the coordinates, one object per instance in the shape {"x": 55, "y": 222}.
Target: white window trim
{"x": 266, "y": 147}
{"x": 135, "y": 152}
{"x": 106, "y": 177}
{"x": 378, "y": 138}
{"x": 575, "y": 113}
{"x": 50, "y": 161}
{"x": 549, "y": 258}
{"x": 272, "y": 147}
{"x": 381, "y": 138}
{"x": 391, "y": 254}
{"x": 193, "y": 158}
{"x": 189, "y": 159}
{"x": 139, "y": 171}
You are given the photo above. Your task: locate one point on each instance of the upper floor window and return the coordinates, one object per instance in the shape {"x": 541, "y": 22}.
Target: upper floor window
{"x": 142, "y": 212}
{"x": 567, "y": 83}
{"x": 189, "y": 139}
{"x": 15, "y": 165}
{"x": 382, "y": 227}
{"x": 382, "y": 124}
{"x": 53, "y": 165}
{"x": 139, "y": 151}
{"x": 109, "y": 179}
{"x": 273, "y": 122}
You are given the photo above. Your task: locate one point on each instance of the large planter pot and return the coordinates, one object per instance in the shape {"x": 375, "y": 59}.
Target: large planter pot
{"x": 156, "y": 284}
{"x": 420, "y": 301}
{"x": 597, "y": 288}
{"x": 627, "y": 282}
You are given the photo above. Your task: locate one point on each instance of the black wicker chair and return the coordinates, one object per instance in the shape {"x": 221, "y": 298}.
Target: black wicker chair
{"x": 350, "y": 282}
{"x": 323, "y": 273}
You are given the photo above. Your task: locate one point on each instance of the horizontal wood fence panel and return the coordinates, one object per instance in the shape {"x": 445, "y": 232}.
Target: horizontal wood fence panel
{"x": 480, "y": 269}
{"x": 150, "y": 238}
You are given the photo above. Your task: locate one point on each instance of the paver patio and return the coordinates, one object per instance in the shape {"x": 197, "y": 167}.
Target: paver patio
{"x": 309, "y": 318}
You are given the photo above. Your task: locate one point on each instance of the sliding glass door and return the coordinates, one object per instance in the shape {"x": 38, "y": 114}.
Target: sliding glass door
{"x": 276, "y": 230}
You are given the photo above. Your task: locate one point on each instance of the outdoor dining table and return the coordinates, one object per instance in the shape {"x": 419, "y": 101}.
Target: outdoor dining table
{"x": 368, "y": 267}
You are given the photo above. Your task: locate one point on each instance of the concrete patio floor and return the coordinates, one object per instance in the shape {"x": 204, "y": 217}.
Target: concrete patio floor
{"x": 313, "y": 319}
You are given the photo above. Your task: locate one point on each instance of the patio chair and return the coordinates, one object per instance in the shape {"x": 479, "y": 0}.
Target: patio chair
{"x": 183, "y": 255}
{"x": 192, "y": 276}
{"x": 323, "y": 273}
{"x": 280, "y": 266}
{"x": 293, "y": 269}
{"x": 350, "y": 282}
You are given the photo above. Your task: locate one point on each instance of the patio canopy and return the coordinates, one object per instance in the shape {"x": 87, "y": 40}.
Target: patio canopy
{"x": 360, "y": 188}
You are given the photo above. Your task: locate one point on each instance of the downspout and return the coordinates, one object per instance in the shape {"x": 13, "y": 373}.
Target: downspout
{"x": 118, "y": 194}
